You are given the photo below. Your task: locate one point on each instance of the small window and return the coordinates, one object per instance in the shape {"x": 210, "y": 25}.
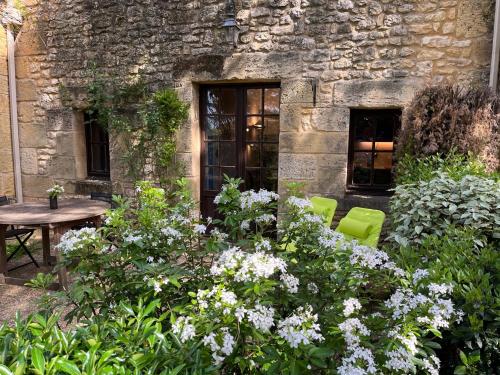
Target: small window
{"x": 371, "y": 148}
{"x": 97, "y": 145}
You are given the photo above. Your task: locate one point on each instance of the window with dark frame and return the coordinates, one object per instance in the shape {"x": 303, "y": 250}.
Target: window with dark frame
{"x": 240, "y": 137}
{"x": 97, "y": 147}
{"x": 371, "y": 149}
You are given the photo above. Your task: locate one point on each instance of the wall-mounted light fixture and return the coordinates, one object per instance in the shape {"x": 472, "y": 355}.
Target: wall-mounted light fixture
{"x": 230, "y": 25}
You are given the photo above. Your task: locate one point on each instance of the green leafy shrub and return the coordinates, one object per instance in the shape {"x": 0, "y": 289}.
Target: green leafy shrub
{"x": 238, "y": 297}
{"x": 446, "y": 117}
{"x": 464, "y": 260}
{"x": 410, "y": 170}
{"x": 429, "y": 207}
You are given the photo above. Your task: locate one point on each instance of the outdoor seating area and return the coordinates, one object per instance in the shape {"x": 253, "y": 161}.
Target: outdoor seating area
{"x": 233, "y": 187}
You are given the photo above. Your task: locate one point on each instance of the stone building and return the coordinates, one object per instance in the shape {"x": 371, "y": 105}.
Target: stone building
{"x": 310, "y": 90}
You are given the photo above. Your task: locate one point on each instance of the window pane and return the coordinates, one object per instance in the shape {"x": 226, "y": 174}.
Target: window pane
{"x": 227, "y": 101}
{"x": 220, "y": 127}
{"x": 229, "y": 171}
{"x": 383, "y": 168}
{"x": 227, "y": 153}
{"x": 212, "y": 101}
{"x": 270, "y": 155}
{"x": 365, "y": 129}
{"x": 211, "y": 153}
{"x": 363, "y": 146}
{"x": 254, "y": 101}
{"x": 271, "y": 129}
{"x": 211, "y": 128}
{"x": 385, "y": 129}
{"x": 252, "y": 179}
{"x": 254, "y": 128}
{"x": 227, "y": 128}
{"x": 361, "y": 167}
{"x": 253, "y": 155}
{"x": 98, "y": 162}
{"x": 384, "y": 146}
{"x": 272, "y": 101}
{"x": 212, "y": 178}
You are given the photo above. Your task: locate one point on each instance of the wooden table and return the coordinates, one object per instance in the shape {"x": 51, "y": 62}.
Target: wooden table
{"x": 71, "y": 212}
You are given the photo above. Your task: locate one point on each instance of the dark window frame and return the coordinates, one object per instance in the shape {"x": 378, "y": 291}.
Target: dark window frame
{"x": 241, "y": 117}
{"x": 92, "y": 126}
{"x": 371, "y": 188}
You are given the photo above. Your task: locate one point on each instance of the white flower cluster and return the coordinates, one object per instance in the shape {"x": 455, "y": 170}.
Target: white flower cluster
{"x": 265, "y": 219}
{"x": 263, "y": 245}
{"x": 55, "y": 190}
{"x": 432, "y": 365}
{"x": 300, "y": 328}
{"x": 351, "y": 305}
{"x": 290, "y": 282}
{"x": 184, "y": 329}
{"x": 157, "y": 283}
{"x": 247, "y": 266}
{"x": 418, "y": 275}
{"x": 372, "y": 258}
{"x": 440, "y": 311}
{"x": 299, "y": 203}
{"x": 399, "y": 359}
{"x": 250, "y": 198}
{"x": 171, "y": 234}
{"x": 261, "y": 317}
{"x": 329, "y": 239}
{"x": 313, "y": 288}
{"x": 352, "y": 329}
{"x": 221, "y": 345}
{"x": 75, "y": 240}
{"x": 200, "y": 229}
{"x": 132, "y": 238}
{"x": 219, "y": 297}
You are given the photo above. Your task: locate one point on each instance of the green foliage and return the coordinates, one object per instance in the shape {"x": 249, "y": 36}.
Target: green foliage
{"x": 429, "y": 207}
{"x": 411, "y": 170}
{"x": 450, "y": 117}
{"x": 145, "y": 123}
{"x": 132, "y": 341}
{"x": 465, "y": 260}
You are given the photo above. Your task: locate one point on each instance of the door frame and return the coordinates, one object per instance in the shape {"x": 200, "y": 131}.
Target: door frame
{"x": 240, "y": 124}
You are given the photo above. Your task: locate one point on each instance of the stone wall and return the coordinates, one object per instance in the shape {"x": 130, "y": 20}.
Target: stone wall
{"x": 6, "y": 164}
{"x": 358, "y": 53}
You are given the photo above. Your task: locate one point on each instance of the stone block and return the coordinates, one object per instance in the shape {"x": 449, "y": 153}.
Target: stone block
{"x": 32, "y": 135}
{"x": 6, "y": 165}
{"x": 26, "y": 90}
{"x": 290, "y": 117}
{"x": 261, "y": 65}
{"x": 29, "y": 160}
{"x": 376, "y": 93}
{"x": 25, "y": 112}
{"x": 296, "y": 91}
{"x": 472, "y": 20}
{"x": 62, "y": 167}
{"x": 296, "y": 166}
{"x": 29, "y": 43}
{"x": 65, "y": 144}
{"x": 23, "y": 67}
{"x": 335, "y": 161}
{"x": 330, "y": 181}
{"x": 7, "y": 184}
{"x": 314, "y": 142}
{"x": 331, "y": 119}
{"x": 59, "y": 119}
{"x": 35, "y": 186}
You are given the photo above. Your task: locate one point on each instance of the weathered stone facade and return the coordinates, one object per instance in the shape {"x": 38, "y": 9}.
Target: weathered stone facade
{"x": 358, "y": 53}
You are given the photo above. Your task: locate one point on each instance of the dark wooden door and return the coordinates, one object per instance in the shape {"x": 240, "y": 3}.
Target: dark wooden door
{"x": 240, "y": 135}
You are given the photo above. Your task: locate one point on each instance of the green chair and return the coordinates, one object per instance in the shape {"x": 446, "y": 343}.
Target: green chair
{"x": 324, "y": 207}
{"x": 363, "y": 225}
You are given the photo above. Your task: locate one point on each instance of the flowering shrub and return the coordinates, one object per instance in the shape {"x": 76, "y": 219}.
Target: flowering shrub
{"x": 256, "y": 296}
{"x": 465, "y": 260}
{"x": 429, "y": 207}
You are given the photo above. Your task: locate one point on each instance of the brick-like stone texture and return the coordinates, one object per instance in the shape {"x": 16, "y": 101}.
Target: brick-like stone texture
{"x": 6, "y": 162}
{"x": 329, "y": 56}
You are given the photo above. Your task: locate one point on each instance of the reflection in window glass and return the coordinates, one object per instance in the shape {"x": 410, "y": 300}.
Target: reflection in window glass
{"x": 253, "y": 155}
{"x": 212, "y": 178}
{"x": 362, "y": 167}
{"x": 254, "y": 101}
{"x": 272, "y": 101}
{"x": 271, "y": 129}
{"x": 254, "y": 128}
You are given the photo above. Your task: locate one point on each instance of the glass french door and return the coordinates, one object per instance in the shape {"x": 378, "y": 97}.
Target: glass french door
{"x": 240, "y": 138}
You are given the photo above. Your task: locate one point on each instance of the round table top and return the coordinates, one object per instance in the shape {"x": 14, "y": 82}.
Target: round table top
{"x": 39, "y": 213}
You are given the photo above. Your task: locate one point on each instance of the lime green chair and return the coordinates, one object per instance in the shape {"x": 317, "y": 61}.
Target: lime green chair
{"x": 363, "y": 225}
{"x": 324, "y": 207}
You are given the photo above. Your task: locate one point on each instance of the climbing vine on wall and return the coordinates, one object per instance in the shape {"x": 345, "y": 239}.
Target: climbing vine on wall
{"x": 144, "y": 123}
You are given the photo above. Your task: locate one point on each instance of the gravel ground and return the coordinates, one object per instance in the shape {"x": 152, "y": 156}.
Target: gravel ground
{"x": 17, "y": 298}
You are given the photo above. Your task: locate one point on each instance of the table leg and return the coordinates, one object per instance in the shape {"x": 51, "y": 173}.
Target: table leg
{"x": 62, "y": 273}
{"x": 3, "y": 254}
{"x": 46, "y": 245}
